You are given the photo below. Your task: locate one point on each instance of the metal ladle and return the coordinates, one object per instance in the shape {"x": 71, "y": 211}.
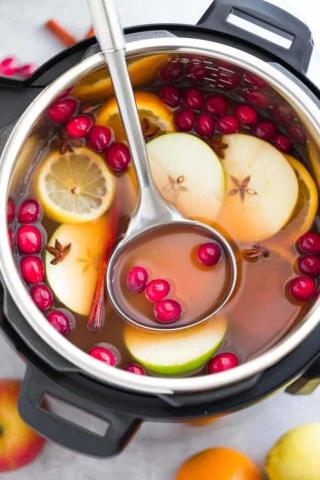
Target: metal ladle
{"x": 153, "y": 214}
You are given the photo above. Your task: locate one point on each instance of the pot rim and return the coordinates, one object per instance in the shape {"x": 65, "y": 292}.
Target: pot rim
{"x": 288, "y": 85}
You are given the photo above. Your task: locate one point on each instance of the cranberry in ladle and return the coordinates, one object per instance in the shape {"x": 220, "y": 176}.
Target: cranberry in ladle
{"x": 209, "y": 254}
{"x": 156, "y": 290}
{"x": 137, "y": 279}
{"x": 167, "y": 311}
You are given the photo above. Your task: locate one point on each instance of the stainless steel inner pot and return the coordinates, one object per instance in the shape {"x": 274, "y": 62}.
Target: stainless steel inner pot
{"x": 15, "y": 159}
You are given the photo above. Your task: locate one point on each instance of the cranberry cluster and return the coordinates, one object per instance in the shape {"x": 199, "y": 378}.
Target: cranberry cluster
{"x": 80, "y": 126}
{"x": 110, "y": 355}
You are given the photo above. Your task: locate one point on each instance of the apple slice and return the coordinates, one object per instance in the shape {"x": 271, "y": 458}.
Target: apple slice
{"x": 188, "y": 174}
{"x": 262, "y": 189}
{"x": 176, "y": 353}
{"x": 73, "y": 280}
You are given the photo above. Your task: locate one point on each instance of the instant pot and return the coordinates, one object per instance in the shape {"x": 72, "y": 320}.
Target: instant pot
{"x": 58, "y": 368}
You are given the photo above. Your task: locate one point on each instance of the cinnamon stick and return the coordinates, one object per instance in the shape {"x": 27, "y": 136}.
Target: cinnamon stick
{"x": 63, "y": 35}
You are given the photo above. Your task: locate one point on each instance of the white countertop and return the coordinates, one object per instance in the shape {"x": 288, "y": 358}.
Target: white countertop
{"x": 158, "y": 449}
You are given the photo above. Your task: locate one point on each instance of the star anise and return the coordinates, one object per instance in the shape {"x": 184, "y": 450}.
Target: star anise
{"x": 59, "y": 252}
{"x": 218, "y": 145}
{"x": 46, "y": 130}
{"x": 149, "y": 128}
{"x": 241, "y": 187}
{"x": 255, "y": 253}
{"x": 66, "y": 144}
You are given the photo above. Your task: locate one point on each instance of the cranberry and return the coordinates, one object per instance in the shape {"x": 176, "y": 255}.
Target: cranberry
{"x": 205, "y": 125}
{"x": 258, "y": 99}
{"x": 185, "y": 120}
{"x": 209, "y": 253}
{"x": 222, "y": 361}
{"x": 216, "y": 105}
{"x": 42, "y": 296}
{"x": 266, "y": 131}
{"x": 118, "y": 157}
{"x": 167, "y": 311}
{"x": 61, "y": 321}
{"x": 197, "y": 71}
{"x": 156, "y": 290}
{"x": 79, "y": 126}
{"x": 170, "y": 95}
{"x": 172, "y": 71}
{"x": 27, "y": 70}
{"x": 246, "y": 114}
{"x": 137, "y": 279}
{"x": 106, "y": 354}
{"x": 135, "y": 368}
{"x": 193, "y": 99}
{"x": 283, "y": 143}
{"x": 228, "y": 124}
{"x": 11, "y": 237}
{"x": 301, "y": 288}
{"x": 228, "y": 80}
{"x": 310, "y": 265}
{"x": 254, "y": 80}
{"x": 9, "y": 66}
{"x": 99, "y": 138}
{"x": 11, "y": 210}
{"x": 309, "y": 243}
{"x": 296, "y": 134}
{"x": 29, "y": 239}
{"x": 283, "y": 113}
{"x": 62, "y": 109}
{"x": 32, "y": 269}
{"x": 29, "y": 211}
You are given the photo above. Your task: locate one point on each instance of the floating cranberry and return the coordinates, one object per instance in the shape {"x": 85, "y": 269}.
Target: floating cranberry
{"x": 216, "y": 105}
{"x": 209, "y": 254}
{"x": 283, "y": 113}
{"x": 302, "y": 288}
{"x": 106, "y": 354}
{"x": 205, "y": 125}
{"x": 61, "y": 321}
{"x": 29, "y": 211}
{"x": 9, "y": 66}
{"x": 11, "y": 210}
{"x": 118, "y": 157}
{"x": 296, "y": 134}
{"x": 185, "y": 120}
{"x": 156, "y": 290}
{"x": 266, "y": 131}
{"x": 27, "y": 70}
{"x": 193, "y": 98}
{"x": 79, "y": 126}
{"x": 283, "y": 143}
{"x": 99, "y": 138}
{"x": 11, "y": 237}
{"x": 42, "y": 297}
{"x": 135, "y": 368}
{"x": 172, "y": 71}
{"x": 29, "y": 239}
{"x": 137, "y": 279}
{"x": 246, "y": 114}
{"x": 167, "y": 311}
{"x": 254, "y": 80}
{"x": 62, "y": 109}
{"x": 197, "y": 71}
{"x": 171, "y": 95}
{"x": 32, "y": 269}
{"x": 310, "y": 265}
{"x": 309, "y": 243}
{"x": 222, "y": 362}
{"x": 228, "y": 124}
{"x": 258, "y": 99}
{"x": 227, "y": 79}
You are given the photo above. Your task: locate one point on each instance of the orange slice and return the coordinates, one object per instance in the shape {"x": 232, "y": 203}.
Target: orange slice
{"x": 98, "y": 86}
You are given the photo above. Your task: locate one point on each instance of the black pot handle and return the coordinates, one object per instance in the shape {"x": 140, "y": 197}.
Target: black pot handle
{"x": 269, "y": 17}
{"x": 70, "y": 435}
{"x": 308, "y": 382}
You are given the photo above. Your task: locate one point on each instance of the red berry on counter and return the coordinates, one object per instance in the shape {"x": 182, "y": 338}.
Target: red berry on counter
{"x": 27, "y": 70}
{"x": 135, "y": 368}
{"x": 32, "y": 269}
{"x": 118, "y": 157}
{"x": 258, "y": 99}
{"x": 29, "y": 239}
{"x": 171, "y": 71}
{"x": 197, "y": 71}
{"x": 106, "y": 354}
{"x": 170, "y": 95}
{"x": 309, "y": 243}
{"x": 9, "y": 67}
{"x": 222, "y": 362}
{"x": 62, "y": 109}
{"x": 302, "y": 288}
{"x": 156, "y": 290}
{"x": 205, "y": 125}
{"x": 228, "y": 124}
{"x": 266, "y": 131}
{"x": 29, "y": 211}
{"x": 209, "y": 254}
{"x": 310, "y": 265}
{"x": 283, "y": 143}
{"x": 193, "y": 98}
{"x": 167, "y": 311}
{"x": 246, "y": 114}
{"x": 11, "y": 210}
{"x": 61, "y": 321}
{"x": 79, "y": 126}
{"x": 42, "y": 296}
{"x": 185, "y": 120}
{"x": 216, "y": 105}
{"x": 137, "y": 279}
{"x": 100, "y": 138}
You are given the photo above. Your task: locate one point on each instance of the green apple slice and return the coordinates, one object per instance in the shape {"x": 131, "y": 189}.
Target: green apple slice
{"x": 262, "y": 189}
{"x": 188, "y": 174}
{"x": 176, "y": 353}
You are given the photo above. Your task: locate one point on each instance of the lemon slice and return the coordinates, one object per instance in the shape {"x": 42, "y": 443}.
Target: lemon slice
{"x": 75, "y": 187}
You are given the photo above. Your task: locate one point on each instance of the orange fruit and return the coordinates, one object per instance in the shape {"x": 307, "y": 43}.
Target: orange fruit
{"x": 98, "y": 85}
{"x": 150, "y": 107}
{"x": 219, "y": 464}
{"x": 203, "y": 422}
